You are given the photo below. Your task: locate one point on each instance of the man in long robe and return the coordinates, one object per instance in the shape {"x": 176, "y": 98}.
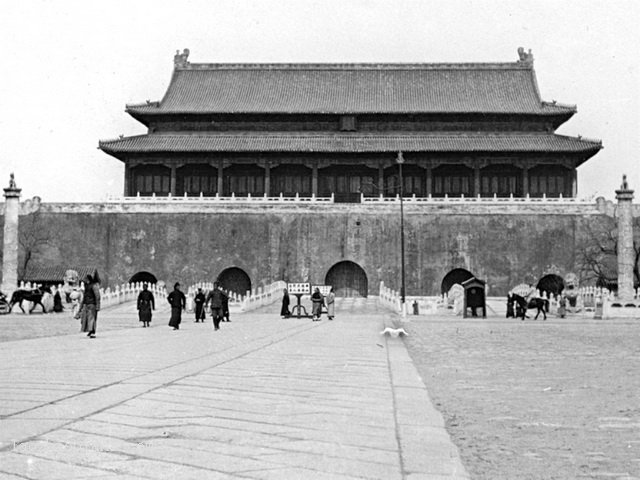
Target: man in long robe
{"x": 199, "y": 300}
{"x": 178, "y": 303}
{"x": 146, "y": 304}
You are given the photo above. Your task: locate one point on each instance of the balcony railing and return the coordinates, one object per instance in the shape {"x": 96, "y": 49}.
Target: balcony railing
{"x": 219, "y": 199}
{"x": 354, "y": 198}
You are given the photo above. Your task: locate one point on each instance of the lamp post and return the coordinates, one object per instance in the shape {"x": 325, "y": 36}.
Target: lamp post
{"x": 400, "y": 161}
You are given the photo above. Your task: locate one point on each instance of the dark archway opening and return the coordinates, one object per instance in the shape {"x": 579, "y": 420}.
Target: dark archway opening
{"x": 234, "y": 280}
{"x": 144, "y": 277}
{"x": 348, "y": 279}
{"x": 551, "y": 284}
{"x": 457, "y": 275}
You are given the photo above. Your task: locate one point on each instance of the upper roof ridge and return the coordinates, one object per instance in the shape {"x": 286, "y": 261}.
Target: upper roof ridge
{"x": 355, "y": 66}
{"x": 525, "y": 61}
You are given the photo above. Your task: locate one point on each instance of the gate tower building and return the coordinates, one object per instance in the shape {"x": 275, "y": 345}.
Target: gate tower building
{"x": 472, "y": 129}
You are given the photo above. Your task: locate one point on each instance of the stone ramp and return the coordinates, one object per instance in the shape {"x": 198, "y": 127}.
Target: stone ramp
{"x": 344, "y": 306}
{"x": 263, "y": 398}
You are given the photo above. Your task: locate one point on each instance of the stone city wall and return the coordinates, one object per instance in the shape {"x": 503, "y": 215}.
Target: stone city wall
{"x": 503, "y": 244}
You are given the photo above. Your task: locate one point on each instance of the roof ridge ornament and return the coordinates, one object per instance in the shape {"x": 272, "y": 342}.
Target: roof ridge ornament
{"x": 525, "y": 57}
{"x": 181, "y": 59}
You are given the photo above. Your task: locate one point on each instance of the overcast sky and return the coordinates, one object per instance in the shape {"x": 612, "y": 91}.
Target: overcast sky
{"x": 70, "y": 67}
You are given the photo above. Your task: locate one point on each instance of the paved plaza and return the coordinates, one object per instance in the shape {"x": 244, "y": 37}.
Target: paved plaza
{"x": 263, "y": 398}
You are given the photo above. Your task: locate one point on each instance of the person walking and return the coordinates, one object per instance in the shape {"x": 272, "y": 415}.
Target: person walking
{"x": 317, "y": 301}
{"x": 199, "y": 300}
{"x": 215, "y": 298}
{"x": 225, "y": 307}
{"x": 146, "y": 304}
{"x": 178, "y": 303}
{"x": 90, "y": 305}
{"x": 284, "y": 311}
{"x": 331, "y": 304}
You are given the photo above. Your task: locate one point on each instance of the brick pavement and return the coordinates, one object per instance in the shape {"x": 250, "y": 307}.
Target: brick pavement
{"x": 263, "y": 398}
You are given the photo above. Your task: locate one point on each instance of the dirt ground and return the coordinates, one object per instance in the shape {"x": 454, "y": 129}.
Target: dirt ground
{"x": 535, "y": 400}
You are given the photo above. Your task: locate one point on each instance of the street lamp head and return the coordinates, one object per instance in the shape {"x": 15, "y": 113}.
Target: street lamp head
{"x": 400, "y": 158}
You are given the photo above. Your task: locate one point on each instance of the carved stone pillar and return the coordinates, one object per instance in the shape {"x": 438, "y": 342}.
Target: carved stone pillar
{"x": 626, "y": 254}
{"x": 10, "y": 239}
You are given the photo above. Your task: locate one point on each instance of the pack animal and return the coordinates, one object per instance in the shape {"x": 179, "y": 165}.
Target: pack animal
{"x": 539, "y": 304}
{"x": 34, "y": 296}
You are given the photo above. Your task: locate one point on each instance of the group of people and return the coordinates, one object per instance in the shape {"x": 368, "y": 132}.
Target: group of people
{"x": 317, "y": 302}
{"x": 216, "y": 299}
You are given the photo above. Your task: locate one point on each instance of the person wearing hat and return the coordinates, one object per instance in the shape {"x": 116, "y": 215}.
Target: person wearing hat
{"x": 199, "y": 300}
{"x": 146, "y": 304}
{"x": 178, "y": 303}
{"x": 90, "y": 305}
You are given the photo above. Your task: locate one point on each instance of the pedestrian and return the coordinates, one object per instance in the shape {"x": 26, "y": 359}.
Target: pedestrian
{"x": 215, "y": 297}
{"x": 284, "y": 311}
{"x": 57, "y": 302}
{"x": 146, "y": 304}
{"x": 510, "y": 306}
{"x": 199, "y": 300}
{"x": 90, "y": 305}
{"x": 225, "y": 307}
{"x": 178, "y": 303}
{"x": 562, "y": 306}
{"x": 317, "y": 301}
{"x": 331, "y": 304}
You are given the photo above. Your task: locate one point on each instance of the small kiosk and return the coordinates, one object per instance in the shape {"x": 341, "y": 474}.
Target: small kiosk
{"x": 474, "y": 297}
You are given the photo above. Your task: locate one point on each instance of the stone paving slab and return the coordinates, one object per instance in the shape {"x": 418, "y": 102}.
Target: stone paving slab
{"x": 263, "y": 398}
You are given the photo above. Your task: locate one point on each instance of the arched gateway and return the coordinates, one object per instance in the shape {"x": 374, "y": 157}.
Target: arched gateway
{"x": 144, "y": 277}
{"x": 457, "y": 275}
{"x": 551, "y": 284}
{"x": 234, "y": 280}
{"x": 348, "y": 279}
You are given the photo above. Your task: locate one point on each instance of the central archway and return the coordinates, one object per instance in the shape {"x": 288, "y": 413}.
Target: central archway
{"x": 144, "y": 277}
{"x": 551, "y": 284}
{"x": 348, "y": 279}
{"x": 234, "y": 280}
{"x": 457, "y": 275}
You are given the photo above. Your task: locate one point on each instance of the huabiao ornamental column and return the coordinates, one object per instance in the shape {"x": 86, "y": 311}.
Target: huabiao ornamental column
{"x": 626, "y": 255}
{"x": 10, "y": 239}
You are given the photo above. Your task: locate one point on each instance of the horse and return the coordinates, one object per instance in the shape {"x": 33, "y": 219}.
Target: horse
{"x": 34, "y": 296}
{"x": 540, "y": 304}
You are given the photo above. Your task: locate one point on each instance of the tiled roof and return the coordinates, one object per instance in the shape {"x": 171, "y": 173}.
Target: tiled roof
{"x": 350, "y": 142}
{"x": 54, "y": 274}
{"x": 352, "y": 88}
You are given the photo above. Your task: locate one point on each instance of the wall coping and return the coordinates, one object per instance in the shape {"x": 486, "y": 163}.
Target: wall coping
{"x": 369, "y": 205}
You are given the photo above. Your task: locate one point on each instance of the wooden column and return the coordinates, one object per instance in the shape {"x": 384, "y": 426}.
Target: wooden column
{"x": 525, "y": 181}
{"x": 428, "y": 182}
{"x": 220, "y": 177}
{"x": 172, "y": 188}
{"x": 574, "y": 183}
{"x": 267, "y": 178}
{"x": 476, "y": 181}
{"x": 127, "y": 181}
{"x": 314, "y": 179}
{"x": 380, "y": 178}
